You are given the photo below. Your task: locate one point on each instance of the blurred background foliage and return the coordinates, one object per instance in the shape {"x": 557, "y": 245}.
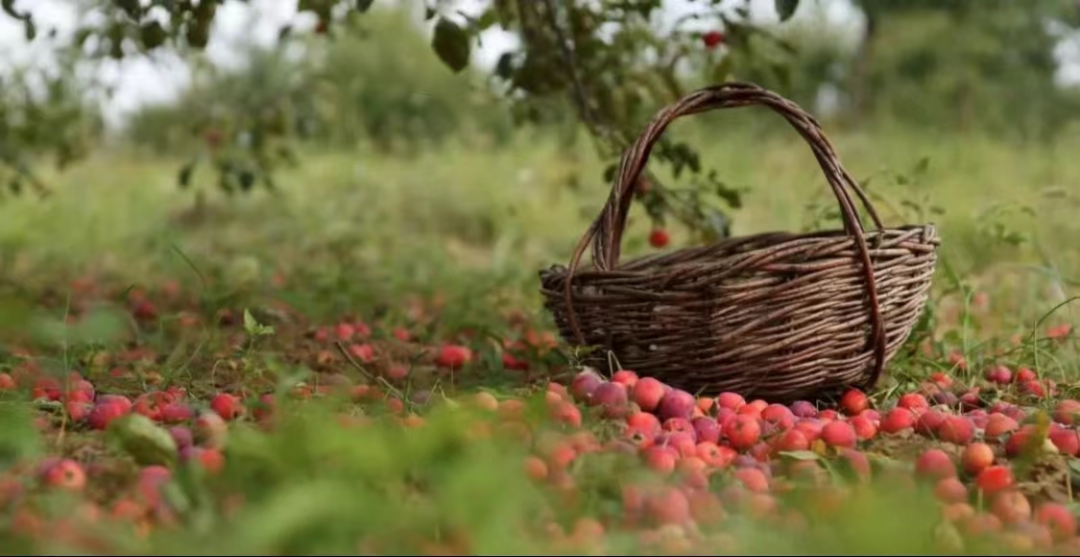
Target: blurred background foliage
{"x": 365, "y": 74}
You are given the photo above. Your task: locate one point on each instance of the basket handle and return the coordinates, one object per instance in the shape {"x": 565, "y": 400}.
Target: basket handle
{"x": 605, "y": 233}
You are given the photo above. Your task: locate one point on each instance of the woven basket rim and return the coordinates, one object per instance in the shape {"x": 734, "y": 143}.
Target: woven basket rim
{"x": 622, "y": 268}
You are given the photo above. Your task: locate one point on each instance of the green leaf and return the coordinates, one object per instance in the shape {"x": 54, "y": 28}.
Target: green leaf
{"x": 152, "y": 35}
{"x": 250, "y": 324}
{"x": 144, "y": 440}
{"x": 19, "y": 440}
{"x": 504, "y": 11}
{"x": 922, "y": 166}
{"x": 451, "y": 44}
{"x": 801, "y": 455}
{"x": 254, "y": 328}
{"x": 131, "y": 7}
{"x": 504, "y": 68}
{"x": 786, "y": 8}
{"x": 247, "y": 179}
{"x": 363, "y": 5}
{"x": 186, "y": 171}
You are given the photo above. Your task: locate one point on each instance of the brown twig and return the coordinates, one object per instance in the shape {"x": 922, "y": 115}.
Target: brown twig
{"x": 609, "y": 135}
{"x": 367, "y": 375}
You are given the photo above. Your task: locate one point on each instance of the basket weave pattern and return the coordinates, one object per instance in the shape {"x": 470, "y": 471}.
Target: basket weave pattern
{"x": 778, "y": 316}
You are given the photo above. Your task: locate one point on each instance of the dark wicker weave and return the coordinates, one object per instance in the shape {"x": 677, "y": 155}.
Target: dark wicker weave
{"x": 776, "y": 316}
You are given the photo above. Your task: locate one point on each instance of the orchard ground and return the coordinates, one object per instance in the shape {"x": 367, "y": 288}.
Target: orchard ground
{"x": 360, "y": 363}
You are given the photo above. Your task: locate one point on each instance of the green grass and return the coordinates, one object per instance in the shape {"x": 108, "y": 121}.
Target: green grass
{"x": 363, "y": 236}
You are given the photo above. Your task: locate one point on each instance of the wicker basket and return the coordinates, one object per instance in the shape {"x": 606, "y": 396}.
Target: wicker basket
{"x": 777, "y": 316}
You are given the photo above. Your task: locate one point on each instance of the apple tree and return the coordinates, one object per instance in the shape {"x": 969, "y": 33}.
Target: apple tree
{"x": 614, "y": 62}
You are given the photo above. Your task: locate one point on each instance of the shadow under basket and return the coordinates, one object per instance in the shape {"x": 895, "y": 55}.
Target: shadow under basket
{"x": 777, "y": 316}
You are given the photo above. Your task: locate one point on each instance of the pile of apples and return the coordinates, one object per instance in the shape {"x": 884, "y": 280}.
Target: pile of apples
{"x": 765, "y": 450}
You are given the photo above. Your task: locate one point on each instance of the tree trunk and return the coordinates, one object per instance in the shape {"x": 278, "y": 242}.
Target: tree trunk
{"x": 860, "y": 90}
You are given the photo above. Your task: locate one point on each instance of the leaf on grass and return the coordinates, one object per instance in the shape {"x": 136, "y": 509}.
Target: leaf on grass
{"x": 250, "y": 324}
{"x": 19, "y": 439}
{"x": 800, "y": 455}
{"x": 144, "y": 440}
{"x": 451, "y": 44}
{"x": 922, "y": 166}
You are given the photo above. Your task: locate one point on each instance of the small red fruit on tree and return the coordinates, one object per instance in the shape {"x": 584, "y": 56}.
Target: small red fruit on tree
{"x": 712, "y": 39}
{"x": 659, "y": 238}
{"x": 212, "y": 137}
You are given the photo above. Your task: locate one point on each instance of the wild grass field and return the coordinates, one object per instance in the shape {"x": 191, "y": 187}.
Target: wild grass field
{"x": 360, "y": 364}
